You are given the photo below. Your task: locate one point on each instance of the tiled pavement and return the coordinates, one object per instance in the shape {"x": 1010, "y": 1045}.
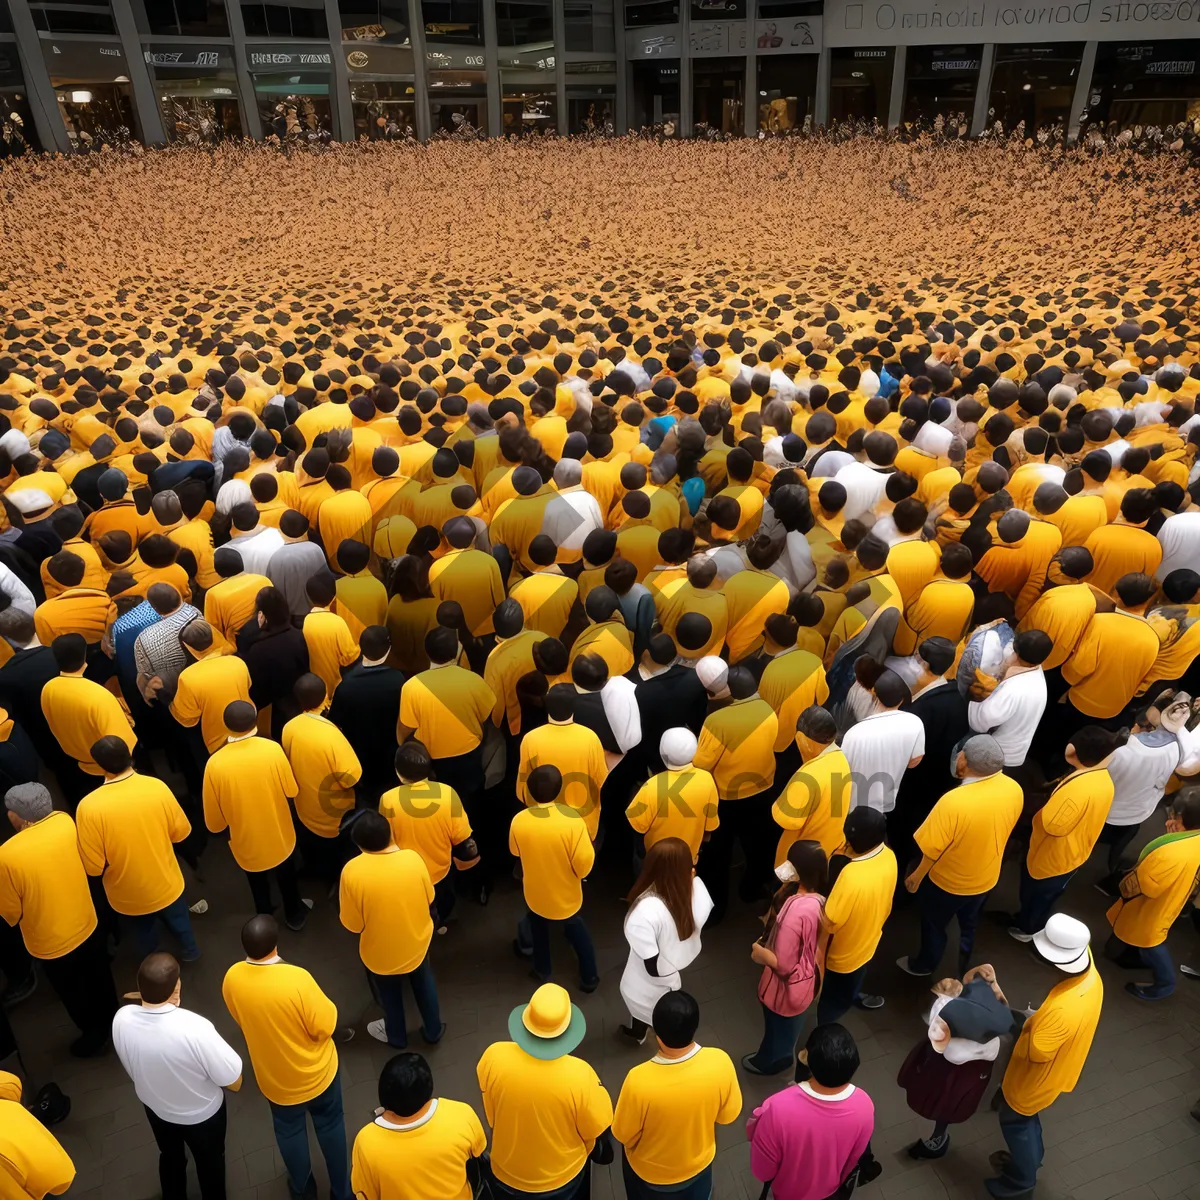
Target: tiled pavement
{"x": 1124, "y": 1133}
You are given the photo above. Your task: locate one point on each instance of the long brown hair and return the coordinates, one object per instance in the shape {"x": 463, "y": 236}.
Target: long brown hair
{"x": 812, "y": 870}
{"x": 667, "y": 873}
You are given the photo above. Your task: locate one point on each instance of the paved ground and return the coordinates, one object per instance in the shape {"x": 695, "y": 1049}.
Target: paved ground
{"x": 1125, "y": 1132}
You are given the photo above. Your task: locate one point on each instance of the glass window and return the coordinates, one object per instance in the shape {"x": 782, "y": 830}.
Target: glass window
{"x": 589, "y": 26}
{"x": 374, "y": 21}
{"x": 53, "y": 19}
{"x": 773, "y": 9}
{"x": 860, "y": 83}
{"x": 5, "y": 18}
{"x": 519, "y": 22}
{"x": 196, "y": 88}
{"x": 715, "y": 10}
{"x": 294, "y": 104}
{"x": 530, "y": 109}
{"x": 787, "y": 89}
{"x": 458, "y": 101}
{"x": 17, "y": 133}
{"x": 1145, "y": 83}
{"x": 940, "y": 81}
{"x": 650, "y": 12}
{"x": 194, "y": 18}
{"x": 591, "y": 110}
{"x": 91, "y": 84}
{"x": 655, "y": 96}
{"x": 1034, "y": 84}
{"x": 295, "y": 20}
{"x": 718, "y": 93}
{"x": 453, "y": 21}
{"x": 384, "y": 110}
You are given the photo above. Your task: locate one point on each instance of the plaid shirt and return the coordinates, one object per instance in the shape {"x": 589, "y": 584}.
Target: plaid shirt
{"x": 158, "y": 650}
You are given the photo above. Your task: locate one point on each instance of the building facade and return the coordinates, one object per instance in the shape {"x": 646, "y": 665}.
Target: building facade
{"x": 79, "y": 72}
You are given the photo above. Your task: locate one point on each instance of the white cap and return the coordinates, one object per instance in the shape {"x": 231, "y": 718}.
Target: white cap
{"x": 28, "y": 500}
{"x": 713, "y": 673}
{"x": 869, "y": 383}
{"x": 677, "y": 747}
{"x": 1064, "y": 942}
{"x": 15, "y": 443}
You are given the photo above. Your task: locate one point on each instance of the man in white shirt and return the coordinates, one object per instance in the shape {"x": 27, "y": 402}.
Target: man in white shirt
{"x": 882, "y": 746}
{"x": 1013, "y": 709}
{"x": 574, "y": 512}
{"x": 256, "y": 543}
{"x": 179, "y": 1065}
{"x": 865, "y": 481}
{"x": 1180, "y": 538}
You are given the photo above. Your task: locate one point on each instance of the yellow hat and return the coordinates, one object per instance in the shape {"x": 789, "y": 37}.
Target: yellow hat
{"x": 549, "y": 1026}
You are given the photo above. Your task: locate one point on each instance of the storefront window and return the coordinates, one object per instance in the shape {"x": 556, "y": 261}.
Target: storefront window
{"x": 292, "y": 92}
{"x": 375, "y": 21}
{"x": 529, "y": 110}
{"x": 196, "y": 87}
{"x": 860, "y": 83}
{"x": 190, "y": 18}
{"x": 1145, "y": 83}
{"x": 941, "y": 81}
{"x": 787, "y": 89}
{"x": 458, "y": 100}
{"x": 639, "y": 13}
{"x": 519, "y": 22}
{"x": 383, "y": 111}
{"x": 90, "y": 16}
{"x": 91, "y": 83}
{"x": 1034, "y": 84}
{"x": 591, "y": 110}
{"x": 718, "y": 94}
{"x": 16, "y": 124}
{"x": 715, "y": 10}
{"x": 458, "y": 21}
{"x": 299, "y": 19}
{"x": 656, "y": 96}
{"x": 589, "y": 26}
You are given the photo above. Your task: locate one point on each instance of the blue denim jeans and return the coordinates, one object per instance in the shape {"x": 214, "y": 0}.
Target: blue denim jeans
{"x": 1157, "y": 958}
{"x": 699, "y": 1187}
{"x": 291, "y": 1136}
{"x": 1023, "y": 1136}
{"x": 777, "y": 1049}
{"x": 178, "y": 921}
{"x": 1038, "y": 898}
{"x": 576, "y": 933}
{"x": 579, "y": 1186}
{"x": 938, "y": 909}
{"x": 390, "y": 991}
{"x": 839, "y": 990}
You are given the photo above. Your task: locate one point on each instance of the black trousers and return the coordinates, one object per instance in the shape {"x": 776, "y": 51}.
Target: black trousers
{"x": 206, "y": 1141}
{"x": 289, "y": 889}
{"x": 84, "y": 983}
{"x": 748, "y": 821}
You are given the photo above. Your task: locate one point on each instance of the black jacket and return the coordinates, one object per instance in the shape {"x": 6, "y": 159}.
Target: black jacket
{"x": 275, "y": 661}
{"x": 366, "y": 707}
{"x": 675, "y": 697}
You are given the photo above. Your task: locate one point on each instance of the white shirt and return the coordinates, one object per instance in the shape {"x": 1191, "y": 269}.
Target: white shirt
{"x": 621, "y": 712}
{"x": 177, "y": 1060}
{"x": 1180, "y": 539}
{"x": 878, "y": 750}
{"x": 18, "y": 594}
{"x": 829, "y": 464}
{"x": 1142, "y": 767}
{"x": 864, "y": 486}
{"x": 570, "y": 517}
{"x": 1011, "y": 713}
{"x": 795, "y": 564}
{"x": 257, "y": 549}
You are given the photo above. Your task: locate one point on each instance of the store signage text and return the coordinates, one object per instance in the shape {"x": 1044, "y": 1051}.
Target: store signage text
{"x": 260, "y": 59}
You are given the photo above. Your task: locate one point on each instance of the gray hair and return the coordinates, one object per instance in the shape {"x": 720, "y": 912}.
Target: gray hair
{"x": 29, "y": 801}
{"x": 983, "y": 754}
{"x": 568, "y": 472}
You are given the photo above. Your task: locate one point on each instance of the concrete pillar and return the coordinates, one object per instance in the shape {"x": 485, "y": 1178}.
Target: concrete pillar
{"x": 491, "y": 60}
{"x": 416, "y": 36}
{"x": 251, "y": 122}
{"x": 983, "y": 90}
{"x": 896, "y": 100}
{"x": 144, "y": 99}
{"x": 343, "y": 113}
{"x": 558, "y": 8}
{"x": 821, "y": 100}
{"x": 1082, "y": 86}
{"x": 686, "y": 121}
{"x": 43, "y": 106}
{"x": 624, "y": 76}
{"x": 750, "y": 104}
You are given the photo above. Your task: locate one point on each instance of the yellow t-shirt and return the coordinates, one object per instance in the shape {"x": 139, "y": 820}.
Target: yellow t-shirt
{"x": 385, "y": 898}
{"x": 1166, "y": 879}
{"x": 247, "y": 786}
{"x": 361, "y": 601}
{"x": 556, "y": 853}
{"x": 1110, "y": 662}
{"x": 612, "y": 641}
{"x": 737, "y": 744}
{"x": 545, "y": 1115}
{"x": 1054, "y": 1043}
{"x": 326, "y": 771}
{"x": 942, "y": 608}
{"x": 473, "y": 579}
{"x": 860, "y": 901}
{"x": 511, "y": 658}
{"x": 205, "y": 689}
{"x": 1062, "y": 613}
{"x": 814, "y": 803}
{"x": 344, "y": 516}
{"x": 751, "y": 596}
{"x": 427, "y": 817}
{"x": 446, "y": 707}
{"x": 80, "y": 712}
{"x": 913, "y": 565}
{"x": 32, "y": 1163}
{"x": 1078, "y": 518}
{"x": 667, "y": 1113}
{"x": 1065, "y": 829}
{"x": 576, "y": 751}
{"x": 407, "y": 625}
{"x": 228, "y": 605}
{"x": 966, "y": 832}
{"x": 1119, "y": 549}
{"x": 330, "y": 647}
{"x": 792, "y": 682}
{"x": 44, "y": 888}
{"x": 673, "y": 604}
{"x": 546, "y": 598}
{"x": 127, "y": 832}
{"x": 675, "y": 804}
{"x": 288, "y": 1024}
{"x": 425, "y": 1160}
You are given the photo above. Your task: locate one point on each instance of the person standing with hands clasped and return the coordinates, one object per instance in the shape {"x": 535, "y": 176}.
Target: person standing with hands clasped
{"x": 669, "y": 1108}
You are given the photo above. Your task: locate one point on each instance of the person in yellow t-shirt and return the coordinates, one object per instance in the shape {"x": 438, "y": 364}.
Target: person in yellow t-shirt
{"x": 419, "y": 1147}
{"x": 551, "y": 840}
{"x": 128, "y": 829}
{"x": 1153, "y": 894}
{"x": 248, "y": 786}
{"x": 669, "y": 1107}
{"x": 386, "y": 897}
{"x": 290, "y": 1027}
{"x": 606, "y": 634}
{"x": 962, "y": 846}
{"x": 815, "y": 801}
{"x": 1065, "y": 829}
{"x": 229, "y": 604}
{"x": 331, "y": 648}
{"x": 548, "y": 1110}
{"x": 428, "y": 817}
{"x": 680, "y": 802}
{"x": 508, "y": 661}
{"x": 32, "y": 1163}
{"x": 1049, "y": 1053}
{"x": 470, "y": 576}
{"x": 361, "y": 600}
{"x": 859, "y": 902}
{"x": 44, "y": 890}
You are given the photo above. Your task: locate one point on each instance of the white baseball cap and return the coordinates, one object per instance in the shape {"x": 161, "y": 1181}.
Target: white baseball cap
{"x": 1064, "y": 942}
{"x": 713, "y": 673}
{"x": 677, "y": 747}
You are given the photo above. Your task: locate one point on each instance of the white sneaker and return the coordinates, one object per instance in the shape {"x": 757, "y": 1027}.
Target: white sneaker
{"x": 378, "y": 1030}
{"x": 199, "y": 908}
{"x": 1019, "y": 935}
{"x": 903, "y": 964}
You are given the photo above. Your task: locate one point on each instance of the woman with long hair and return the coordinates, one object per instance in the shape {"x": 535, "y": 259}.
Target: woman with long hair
{"x": 411, "y": 614}
{"x": 668, "y": 908}
{"x": 788, "y": 954}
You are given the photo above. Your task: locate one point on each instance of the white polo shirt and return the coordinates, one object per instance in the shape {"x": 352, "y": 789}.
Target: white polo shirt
{"x": 878, "y": 749}
{"x": 177, "y": 1060}
{"x": 1011, "y": 713}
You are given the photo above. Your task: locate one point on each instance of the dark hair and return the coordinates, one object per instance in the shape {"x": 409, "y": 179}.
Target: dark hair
{"x": 812, "y": 869}
{"x": 832, "y": 1055}
{"x": 560, "y": 701}
{"x": 374, "y": 641}
{"x": 260, "y": 935}
{"x": 70, "y": 651}
{"x": 1181, "y": 585}
{"x": 240, "y": 716}
{"x": 371, "y": 831}
{"x": 66, "y": 568}
{"x": 1135, "y": 589}
{"x": 544, "y": 784}
{"x": 405, "y": 1084}
{"x": 675, "y": 1019}
{"x": 1093, "y": 743}
{"x": 157, "y": 978}
{"x": 667, "y": 874}
{"x": 891, "y": 690}
{"x": 111, "y": 754}
{"x": 413, "y": 760}
{"x": 865, "y": 828}
{"x": 309, "y": 691}
{"x": 441, "y": 645}
{"x": 273, "y": 605}
{"x": 1186, "y": 806}
{"x": 1033, "y": 646}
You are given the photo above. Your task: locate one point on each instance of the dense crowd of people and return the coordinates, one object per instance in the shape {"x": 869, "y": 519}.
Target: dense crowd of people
{"x": 808, "y": 607}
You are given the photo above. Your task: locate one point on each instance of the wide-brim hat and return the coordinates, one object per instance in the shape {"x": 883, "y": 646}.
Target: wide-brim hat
{"x": 1064, "y": 942}
{"x": 549, "y": 1026}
